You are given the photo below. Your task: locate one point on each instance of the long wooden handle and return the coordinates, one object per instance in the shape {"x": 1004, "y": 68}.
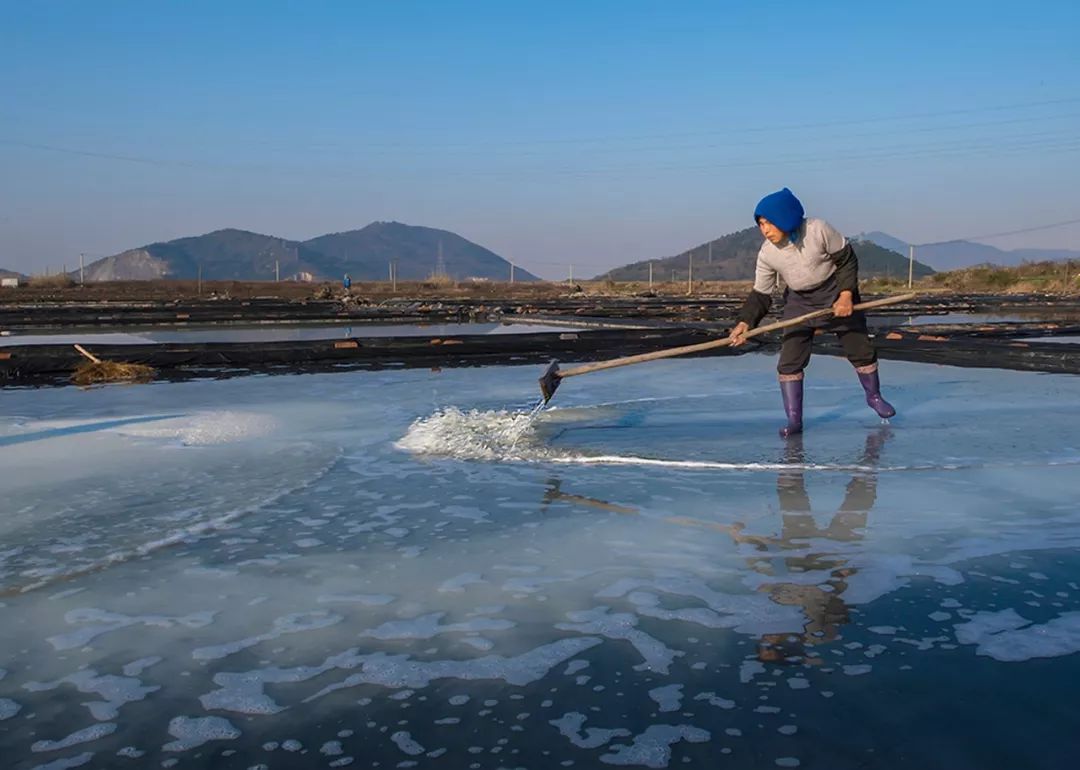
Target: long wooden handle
{"x": 682, "y": 351}
{"x": 88, "y": 354}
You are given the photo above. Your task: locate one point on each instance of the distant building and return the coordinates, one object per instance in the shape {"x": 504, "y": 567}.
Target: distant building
{"x": 9, "y": 283}
{"x": 304, "y": 277}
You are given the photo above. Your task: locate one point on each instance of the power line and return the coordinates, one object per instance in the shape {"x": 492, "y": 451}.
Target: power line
{"x": 1067, "y": 141}
{"x": 1000, "y": 235}
{"x": 763, "y": 127}
{"x": 488, "y": 146}
{"x": 520, "y": 149}
{"x": 93, "y": 154}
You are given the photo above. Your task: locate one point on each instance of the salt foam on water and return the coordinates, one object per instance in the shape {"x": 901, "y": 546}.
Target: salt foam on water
{"x": 205, "y": 428}
{"x": 474, "y": 435}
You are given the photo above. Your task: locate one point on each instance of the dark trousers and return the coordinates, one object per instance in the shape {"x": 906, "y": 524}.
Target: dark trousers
{"x": 798, "y": 340}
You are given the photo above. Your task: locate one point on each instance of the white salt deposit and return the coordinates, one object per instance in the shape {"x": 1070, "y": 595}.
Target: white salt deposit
{"x": 570, "y": 726}
{"x": 192, "y": 732}
{"x": 243, "y": 692}
{"x": 983, "y": 625}
{"x": 749, "y": 669}
{"x": 405, "y": 742}
{"x": 87, "y": 734}
{"x": 294, "y": 623}
{"x": 857, "y": 670}
{"x": 714, "y": 700}
{"x": 652, "y": 748}
{"x": 669, "y": 697}
{"x": 136, "y": 667}
{"x": 368, "y": 600}
{"x": 116, "y": 691}
{"x": 574, "y": 666}
{"x": 1007, "y": 637}
{"x": 8, "y": 708}
{"x": 97, "y": 622}
{"x": 746, "y": 613}
{"x": 458, "y": 583}
{"x": 64, "y": 763}
{"x": 620, "y": 625}
{"x": 430, "y": 626}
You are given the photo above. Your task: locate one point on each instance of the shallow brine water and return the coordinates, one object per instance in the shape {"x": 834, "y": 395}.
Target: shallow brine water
{"x": 401, "y": 569}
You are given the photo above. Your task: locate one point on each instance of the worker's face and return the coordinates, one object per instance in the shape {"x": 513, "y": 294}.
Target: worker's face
{"x": 772, "y": 233}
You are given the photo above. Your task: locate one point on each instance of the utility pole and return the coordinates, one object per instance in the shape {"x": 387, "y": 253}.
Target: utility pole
{"x": 571, "y": 272}
{"x": 511, "y": 272}
{"x": 690, "y": 275}
{"x": 199, "y": 280}
{"x": 393, "y": 276}
{"x": 910, "y": 265}
{"x": 650, "y": 276}
{"x": 277, "y": 271}
{"x": 81, "y": 255}
{"x": 440, "y": 263}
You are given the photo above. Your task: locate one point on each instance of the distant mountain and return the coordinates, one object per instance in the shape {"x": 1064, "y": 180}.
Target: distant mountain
{"x": 884, "y": 240}
{"x": 732, "y": 258}
{"x": 131, "y": 265}
{"x": 875, "y": 260}
{"x": 11, "y": 274}
{"x": 364, "y": 254}
{"x": 1046, "y": 255}
{"x": 728, "y": 258}
{"x": 957, "y": 254}
{"x": 221, "y": 255}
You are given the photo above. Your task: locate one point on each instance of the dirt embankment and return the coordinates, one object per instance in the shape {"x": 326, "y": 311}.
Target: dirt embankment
{"x": 1048, "y": 278}
{"x": 53, "y": 290}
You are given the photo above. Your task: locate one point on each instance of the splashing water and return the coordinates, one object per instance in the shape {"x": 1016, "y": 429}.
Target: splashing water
{"x": 474, "y": 435}
{"x": 507, "y": 436}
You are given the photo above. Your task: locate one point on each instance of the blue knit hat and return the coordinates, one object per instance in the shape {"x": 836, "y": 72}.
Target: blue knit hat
{"x": 782, "y": 209}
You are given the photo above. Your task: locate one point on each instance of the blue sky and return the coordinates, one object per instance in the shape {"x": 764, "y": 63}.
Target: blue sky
{"x": 584, "y": 133}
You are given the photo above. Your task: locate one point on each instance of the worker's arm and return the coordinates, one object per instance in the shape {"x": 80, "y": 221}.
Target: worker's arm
{"x": 757, "y": 304}
{"x": 847, "y": 278}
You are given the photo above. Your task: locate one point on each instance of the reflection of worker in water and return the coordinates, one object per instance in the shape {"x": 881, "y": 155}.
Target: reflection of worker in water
{"x": 822, "y": 603}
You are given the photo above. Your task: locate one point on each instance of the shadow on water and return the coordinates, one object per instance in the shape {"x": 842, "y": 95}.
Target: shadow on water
{"x": 71, "y": 430}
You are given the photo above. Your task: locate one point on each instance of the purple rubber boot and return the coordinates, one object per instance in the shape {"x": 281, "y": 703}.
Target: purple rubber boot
{"x": 872, "y": 385}
{"x": 792, "y": 391}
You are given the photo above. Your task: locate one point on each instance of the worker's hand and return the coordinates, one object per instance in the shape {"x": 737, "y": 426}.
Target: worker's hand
{"x": 736, "y": 337}
{"x": 842, "y": 308}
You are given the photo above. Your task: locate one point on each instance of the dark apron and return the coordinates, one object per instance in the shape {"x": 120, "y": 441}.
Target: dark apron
{"x": 821, "y": 297}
